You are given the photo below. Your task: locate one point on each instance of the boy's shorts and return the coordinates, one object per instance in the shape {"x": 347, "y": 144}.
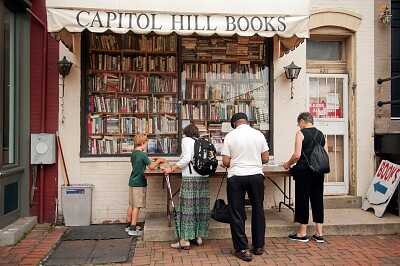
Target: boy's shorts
{"x": 137, "y": 197}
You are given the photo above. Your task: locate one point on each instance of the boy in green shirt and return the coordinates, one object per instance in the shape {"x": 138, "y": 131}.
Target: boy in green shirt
{"x": 138, "y": 183}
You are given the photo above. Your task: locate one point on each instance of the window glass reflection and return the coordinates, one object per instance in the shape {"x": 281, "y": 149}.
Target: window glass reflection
{"x": 9, "y": 89}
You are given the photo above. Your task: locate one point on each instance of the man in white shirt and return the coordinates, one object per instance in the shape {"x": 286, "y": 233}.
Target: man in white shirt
{"x": 244, "y": 151}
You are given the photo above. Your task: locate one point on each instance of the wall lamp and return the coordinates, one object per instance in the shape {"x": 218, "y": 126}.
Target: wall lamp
{"x": 64, "y": 67}
{"x": 292, "y": 72}
{"x": 385, "y": 16}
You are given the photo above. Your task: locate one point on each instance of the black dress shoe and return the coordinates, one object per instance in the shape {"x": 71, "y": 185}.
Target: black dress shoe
{"x": 243, "y": 255}
{"x": 259, "y": 251}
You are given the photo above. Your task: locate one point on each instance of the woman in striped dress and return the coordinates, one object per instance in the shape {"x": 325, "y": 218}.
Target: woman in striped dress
{"x": 193, "y": 215}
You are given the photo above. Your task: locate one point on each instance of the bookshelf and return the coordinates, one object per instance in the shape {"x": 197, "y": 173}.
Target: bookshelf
{"x": 221, "y": 76}
{"x": 131, "y": 87}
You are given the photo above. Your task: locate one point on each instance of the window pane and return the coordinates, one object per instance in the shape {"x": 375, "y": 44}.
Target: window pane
{"x": 326, "y": 97}
{"x": 324, "y": 50}
{"x": 9, "y": 89}
{"x": 336, "y": 158}
{"x": 11, "y": 196}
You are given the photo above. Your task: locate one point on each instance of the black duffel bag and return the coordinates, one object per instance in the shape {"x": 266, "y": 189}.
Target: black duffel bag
{"x": 220, "y": 211}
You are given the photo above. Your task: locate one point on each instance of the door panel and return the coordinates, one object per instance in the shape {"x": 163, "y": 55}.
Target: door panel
{"x": 328, "y": 103}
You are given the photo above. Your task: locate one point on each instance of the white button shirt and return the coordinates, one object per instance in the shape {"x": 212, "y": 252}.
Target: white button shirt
{"x": 244, "y": 146}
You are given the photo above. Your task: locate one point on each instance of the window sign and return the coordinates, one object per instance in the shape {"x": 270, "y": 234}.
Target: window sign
{"x": 326, "y": 97}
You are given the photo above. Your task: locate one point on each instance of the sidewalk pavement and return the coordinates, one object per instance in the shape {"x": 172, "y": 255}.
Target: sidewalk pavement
{"x": 337, "y": 250}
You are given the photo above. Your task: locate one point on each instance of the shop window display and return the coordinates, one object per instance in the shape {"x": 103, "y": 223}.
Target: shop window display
{"x": 158, "y": 84}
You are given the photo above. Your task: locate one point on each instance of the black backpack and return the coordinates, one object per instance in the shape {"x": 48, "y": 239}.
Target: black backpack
{"x": 319, "y": 159}
{"x": 205, "y": 157}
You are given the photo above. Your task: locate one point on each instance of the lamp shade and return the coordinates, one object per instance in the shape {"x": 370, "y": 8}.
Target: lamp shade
{"x": 292, "y": 71}
{"x": 386, "y": 17}
{"x": 64, "y": 66}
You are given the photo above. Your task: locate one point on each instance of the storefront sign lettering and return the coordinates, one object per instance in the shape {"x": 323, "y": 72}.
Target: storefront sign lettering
{"x": 145, "y": 21}
{"x": 255, "y": 23}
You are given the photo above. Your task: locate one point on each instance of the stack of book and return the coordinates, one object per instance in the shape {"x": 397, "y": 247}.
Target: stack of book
{"x": 189, "y": 48}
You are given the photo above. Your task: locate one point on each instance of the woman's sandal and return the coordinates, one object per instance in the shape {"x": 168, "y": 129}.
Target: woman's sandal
{"x": 184, "y": 245}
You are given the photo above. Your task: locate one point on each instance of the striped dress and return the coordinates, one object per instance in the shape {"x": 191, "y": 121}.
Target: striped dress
{"x": 193, "y": 215}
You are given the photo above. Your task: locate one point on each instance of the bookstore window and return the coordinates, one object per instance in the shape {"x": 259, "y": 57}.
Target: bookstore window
{"x": 220, "y": 77}
{"x": 156, "y": 85}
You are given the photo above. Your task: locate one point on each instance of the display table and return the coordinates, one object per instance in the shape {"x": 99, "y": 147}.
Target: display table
{"x": 269, "y": 172}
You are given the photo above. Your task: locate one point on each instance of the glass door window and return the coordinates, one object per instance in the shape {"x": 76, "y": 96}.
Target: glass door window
{"x": 326, "y": 97}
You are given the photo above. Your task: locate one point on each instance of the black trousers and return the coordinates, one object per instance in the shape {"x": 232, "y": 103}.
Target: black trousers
{"x": 237, "y": 186}
{"x": 309, "y": 188}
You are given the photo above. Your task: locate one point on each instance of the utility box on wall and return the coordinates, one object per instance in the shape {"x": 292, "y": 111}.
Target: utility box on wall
{"x": 43, "y": 148}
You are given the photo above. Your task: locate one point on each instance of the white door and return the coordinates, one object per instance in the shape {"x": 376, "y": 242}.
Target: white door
{"x": 328, "y": 103}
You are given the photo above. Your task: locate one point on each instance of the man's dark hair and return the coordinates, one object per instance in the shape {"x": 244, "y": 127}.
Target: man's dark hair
{"x": 191, "y": 131}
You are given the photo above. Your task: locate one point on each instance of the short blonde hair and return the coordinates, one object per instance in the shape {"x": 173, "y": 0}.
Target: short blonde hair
{"x": 139, "y": 139}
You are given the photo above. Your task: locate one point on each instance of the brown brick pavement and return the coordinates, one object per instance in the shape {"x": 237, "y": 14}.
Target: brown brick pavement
{"x": 337, "y": 250}
{"x": 33, "y": 248}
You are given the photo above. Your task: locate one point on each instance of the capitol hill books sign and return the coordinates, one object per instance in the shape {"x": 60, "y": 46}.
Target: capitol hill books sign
{"x": 285, "y": 18}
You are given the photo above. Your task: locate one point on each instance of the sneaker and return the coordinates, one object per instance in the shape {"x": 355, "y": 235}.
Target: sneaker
{"x": 135, "y": 232}
{"x": 319, "y": 239}
{"x": 295, "y": 237}
{"x": 127, "y": 227}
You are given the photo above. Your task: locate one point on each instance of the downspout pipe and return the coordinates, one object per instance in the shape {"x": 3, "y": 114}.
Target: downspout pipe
{"x": 43, "y": 110}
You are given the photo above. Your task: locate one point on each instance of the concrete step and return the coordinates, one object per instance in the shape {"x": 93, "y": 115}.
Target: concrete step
{"x": 280, "y": 224}
{"x": 11, "y": 234}
{"x": 342, "y": 202}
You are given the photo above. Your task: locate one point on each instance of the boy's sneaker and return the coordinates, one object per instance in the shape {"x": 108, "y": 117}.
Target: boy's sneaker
{"x": 128, "y": 226}
{"x": 135, "y": 232}
{"x": 319, "y": 239}
{"x": 298, "y": 238}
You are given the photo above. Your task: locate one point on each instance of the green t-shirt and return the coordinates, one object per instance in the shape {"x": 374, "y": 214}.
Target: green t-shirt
{"x": 139, "y": 161}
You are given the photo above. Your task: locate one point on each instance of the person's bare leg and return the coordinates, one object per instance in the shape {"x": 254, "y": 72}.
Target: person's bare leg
{"x": 302, "y": 230}
{"x": 129, "y": 219}
{"x": 135, "y": 216}
{"x": 318, "y": 229}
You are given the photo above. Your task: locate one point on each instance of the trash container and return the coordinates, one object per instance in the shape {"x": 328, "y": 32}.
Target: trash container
{"x": 76, "y": 203}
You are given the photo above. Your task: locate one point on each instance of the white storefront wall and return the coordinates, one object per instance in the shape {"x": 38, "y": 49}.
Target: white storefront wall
{"x": 110, "y": 175}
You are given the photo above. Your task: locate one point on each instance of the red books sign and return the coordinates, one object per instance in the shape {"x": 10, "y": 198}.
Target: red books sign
{"x": 320, "y": 110}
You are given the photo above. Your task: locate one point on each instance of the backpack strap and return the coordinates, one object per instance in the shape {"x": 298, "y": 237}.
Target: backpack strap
{"x": 191, "y": 161}
{"x": 315, "y": 136}
{"x": 222, "y": 181}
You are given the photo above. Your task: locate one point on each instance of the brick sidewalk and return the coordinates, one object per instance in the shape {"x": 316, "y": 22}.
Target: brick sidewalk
{"x": 33, "y": 248}
{"x": 337, "y": 250}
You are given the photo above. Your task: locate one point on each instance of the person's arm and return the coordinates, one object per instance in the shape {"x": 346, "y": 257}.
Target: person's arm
{"x": 226, "y": 161}
{"x": 297, "y": 150}
{"x": 326, "y": 145}
{"x": 265, "y": 157}
{"x": 186, "y": 156}
{"x": 156, "y": 162}
{"x": 171, "y": 169}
